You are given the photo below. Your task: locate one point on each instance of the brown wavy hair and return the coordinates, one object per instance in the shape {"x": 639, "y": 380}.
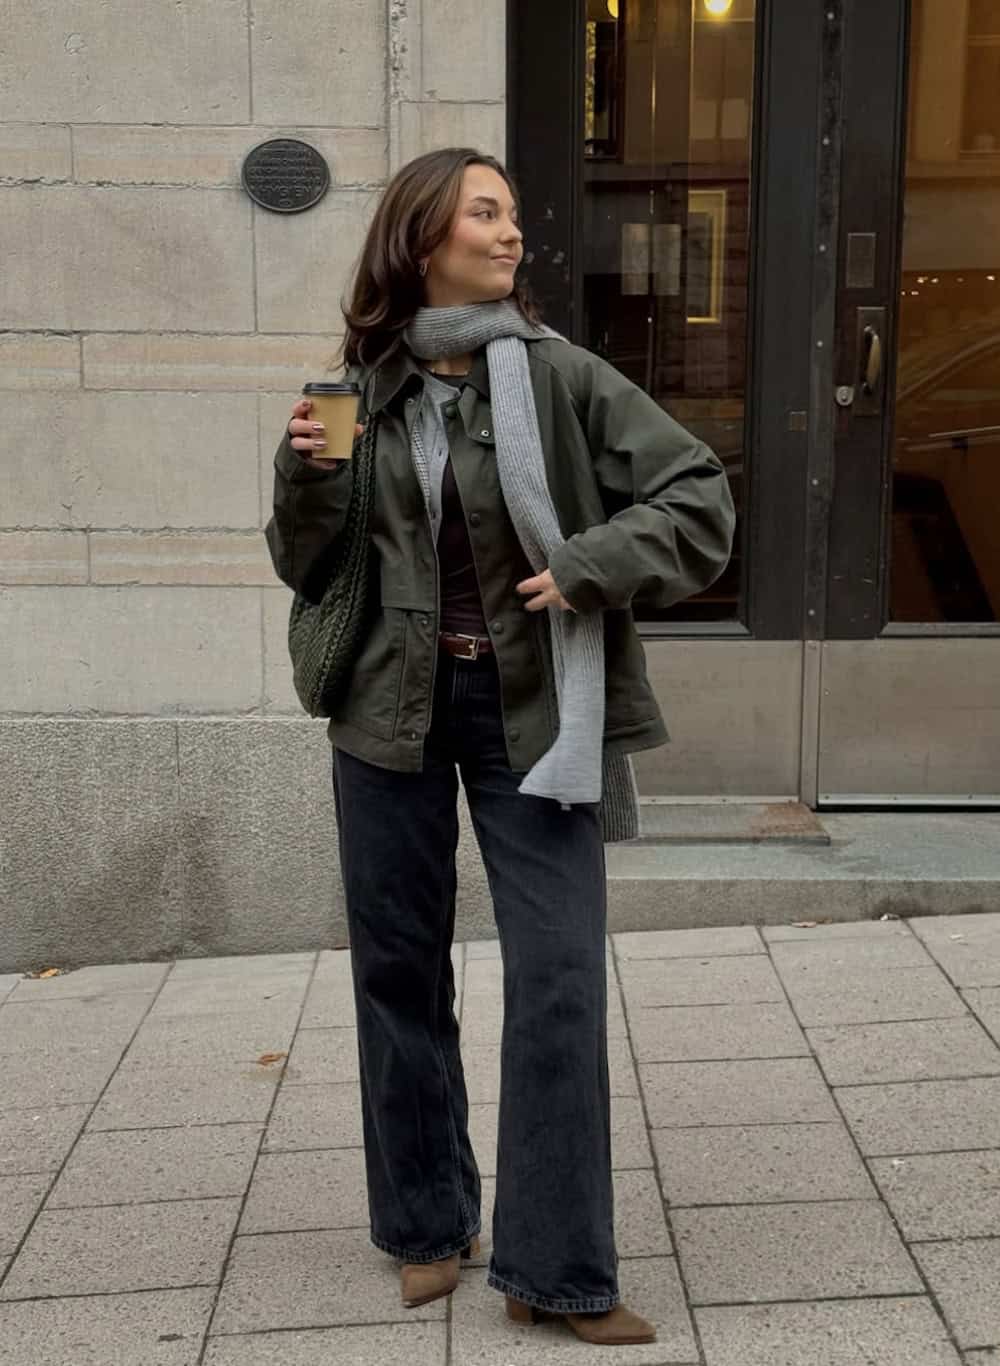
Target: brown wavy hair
{"x": 414, "y": 216}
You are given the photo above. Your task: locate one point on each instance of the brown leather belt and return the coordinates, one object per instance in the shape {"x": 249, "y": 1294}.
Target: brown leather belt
{"x": 465, "y": 647}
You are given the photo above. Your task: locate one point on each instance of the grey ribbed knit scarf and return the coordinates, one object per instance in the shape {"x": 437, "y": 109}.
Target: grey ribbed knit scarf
{"x": 576, "y": 768}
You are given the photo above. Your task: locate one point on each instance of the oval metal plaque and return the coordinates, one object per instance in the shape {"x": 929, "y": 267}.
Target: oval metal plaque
{"x": 285, "y": 175}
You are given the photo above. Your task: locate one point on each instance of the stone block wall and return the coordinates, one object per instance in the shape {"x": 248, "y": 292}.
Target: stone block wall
{"x": 163, "y": 793}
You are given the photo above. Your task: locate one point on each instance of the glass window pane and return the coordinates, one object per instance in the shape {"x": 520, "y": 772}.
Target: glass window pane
{"x": 668, "y": 101}
{"x": 945, "y": 551}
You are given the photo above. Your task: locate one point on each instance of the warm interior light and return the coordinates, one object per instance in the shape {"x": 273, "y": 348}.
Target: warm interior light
{"x": 613, "y": 8}
{"x": 718, "y": 6}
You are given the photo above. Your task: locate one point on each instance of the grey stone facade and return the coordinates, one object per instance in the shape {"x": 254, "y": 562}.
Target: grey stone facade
{"x": 164, "y": 794}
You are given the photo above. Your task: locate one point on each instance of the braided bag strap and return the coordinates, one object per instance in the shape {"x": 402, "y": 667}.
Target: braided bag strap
{"x": 325, "y": 638}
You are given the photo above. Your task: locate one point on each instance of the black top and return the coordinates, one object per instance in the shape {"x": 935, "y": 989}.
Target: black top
{"x": 461, "y": 604}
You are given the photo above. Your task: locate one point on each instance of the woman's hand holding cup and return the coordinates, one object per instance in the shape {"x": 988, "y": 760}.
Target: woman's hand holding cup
{"x": 308, "y": 437}
{"x": 309, "y": 428}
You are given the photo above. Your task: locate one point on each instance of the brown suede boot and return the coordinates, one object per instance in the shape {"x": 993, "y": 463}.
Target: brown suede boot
{"x": 421, "y": 1282}
{"x": 613, "y": 1328}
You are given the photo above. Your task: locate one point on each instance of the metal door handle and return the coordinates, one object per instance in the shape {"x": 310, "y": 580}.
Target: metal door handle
{"x": 871, "y": 365}
{"x": 868, "y": 390}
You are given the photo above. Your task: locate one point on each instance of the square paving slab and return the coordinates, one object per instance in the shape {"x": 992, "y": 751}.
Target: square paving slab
{"x": 97, "y": 1021}
{"x": 699, "y": 981}
{"x": 906, "y": 1050}
{"x": 68, "y": 1074}
{"x": 226, "y": 1091}
{"x": 944, "y": 1195}
{"x": 127, "y": 1166}
{"x": 165, "y": 1327}
{"x": 773, "y": 1091}
{"x": 867, "y": 996}
{"x": 385, "y": 1344}
{"x": 706, "y": 1033}
{"x": 791, "y": 1252}
{"x": 133, "y": 1247}
{"x": 881, "y": 1332}
{"x": 707, "y": 943}
{"x": 307, "y": 1191}
{"x": 760, "y": 1163}
{"x": 93, "y": 981}
{"x": 315, "y": 1117}
{"x": 923, "y": 1116}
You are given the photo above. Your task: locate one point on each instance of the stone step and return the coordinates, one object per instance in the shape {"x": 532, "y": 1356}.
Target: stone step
{"x": 869, "y": 865}
{"x": 729, "y": 822}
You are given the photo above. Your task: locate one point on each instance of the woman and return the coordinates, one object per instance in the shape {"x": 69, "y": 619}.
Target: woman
{"x": 527, "y": 497}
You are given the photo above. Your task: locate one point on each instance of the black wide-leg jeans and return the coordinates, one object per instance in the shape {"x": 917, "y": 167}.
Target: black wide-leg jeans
{"x": 553, "y": 1222}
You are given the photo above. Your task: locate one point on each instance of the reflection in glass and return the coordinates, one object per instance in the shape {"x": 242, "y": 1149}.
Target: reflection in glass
{"x": 945, "y": 560}
{"x": 668, "y": 94}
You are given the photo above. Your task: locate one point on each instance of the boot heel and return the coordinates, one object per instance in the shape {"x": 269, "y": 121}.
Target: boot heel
{"x": 519, "y": 1312}
{"x": 472, "y": 1250}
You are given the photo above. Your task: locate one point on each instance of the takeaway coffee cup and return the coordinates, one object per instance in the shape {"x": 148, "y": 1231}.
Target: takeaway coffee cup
{"x": 336, "y": 406}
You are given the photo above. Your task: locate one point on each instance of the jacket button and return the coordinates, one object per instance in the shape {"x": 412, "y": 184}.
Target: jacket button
{"x": 514, "y": 734}
{"x": 475, "y": 519}
{"x": 414, "y": 735}
{"x": 425, "y": 621}
{"x": 451, "y": 410}
{"x": 485, "y": 432}
{"x": 496, "y": 628}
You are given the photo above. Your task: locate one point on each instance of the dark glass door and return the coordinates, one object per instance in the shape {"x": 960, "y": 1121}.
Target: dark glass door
{"x": 910, "y": 702}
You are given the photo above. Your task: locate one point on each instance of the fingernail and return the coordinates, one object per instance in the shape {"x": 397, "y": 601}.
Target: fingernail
{"x": 317, "y": 426}
{"x": 319, "y": 445}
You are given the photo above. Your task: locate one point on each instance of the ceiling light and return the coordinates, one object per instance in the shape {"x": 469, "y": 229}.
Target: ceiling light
{"x": 718, "y": 7}
{"x": 613, "y": 8}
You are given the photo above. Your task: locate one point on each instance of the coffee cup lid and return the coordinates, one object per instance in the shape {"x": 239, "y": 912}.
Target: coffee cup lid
{"x": 323, "y": 388}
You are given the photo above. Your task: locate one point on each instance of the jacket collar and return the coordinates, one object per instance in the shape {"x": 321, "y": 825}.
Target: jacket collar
{"x": 401, "y": 370}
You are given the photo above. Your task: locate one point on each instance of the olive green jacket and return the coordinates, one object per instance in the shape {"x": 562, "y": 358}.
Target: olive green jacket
{"x": 644, "y": 506}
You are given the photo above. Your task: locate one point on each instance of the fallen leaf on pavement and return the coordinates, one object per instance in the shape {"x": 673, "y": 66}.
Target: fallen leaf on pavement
{"x": 266, "y": 1058}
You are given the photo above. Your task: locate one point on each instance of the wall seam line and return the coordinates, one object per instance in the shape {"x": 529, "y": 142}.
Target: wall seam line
{"x": 249, "y": 17}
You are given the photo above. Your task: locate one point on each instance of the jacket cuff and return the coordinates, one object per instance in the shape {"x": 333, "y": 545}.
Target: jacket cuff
{"x": 299, "y": 469}
{"x": 573, "y": 581}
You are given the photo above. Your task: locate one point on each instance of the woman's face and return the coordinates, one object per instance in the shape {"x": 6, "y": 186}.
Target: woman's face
{"x": 477, "y": 261}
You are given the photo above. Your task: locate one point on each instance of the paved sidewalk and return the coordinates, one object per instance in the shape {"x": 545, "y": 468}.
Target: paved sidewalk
{"x": 806, "y": 1152}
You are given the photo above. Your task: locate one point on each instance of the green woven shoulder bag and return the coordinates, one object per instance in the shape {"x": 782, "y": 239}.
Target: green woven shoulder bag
{"x": 325, "y": 638}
